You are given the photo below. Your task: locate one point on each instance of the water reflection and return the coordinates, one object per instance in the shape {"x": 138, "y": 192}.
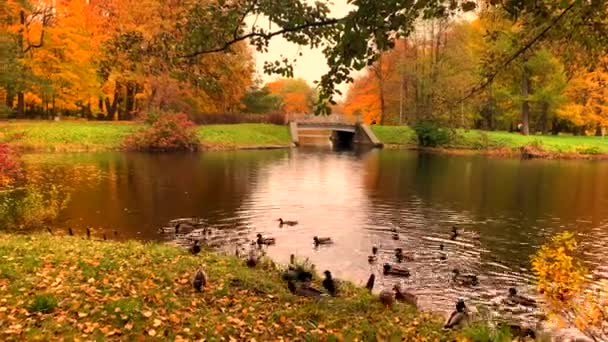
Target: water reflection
{"x": 506, "y": 207}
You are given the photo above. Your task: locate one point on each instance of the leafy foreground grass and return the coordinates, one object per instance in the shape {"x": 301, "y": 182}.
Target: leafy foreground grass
{"x": 72, "y": 136}
{"x": 70, "y": 288}
{"x": 243, "y": 135}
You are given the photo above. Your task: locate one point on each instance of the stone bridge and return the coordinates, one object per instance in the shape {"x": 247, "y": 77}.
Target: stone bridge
{"x": 344, "y": 130}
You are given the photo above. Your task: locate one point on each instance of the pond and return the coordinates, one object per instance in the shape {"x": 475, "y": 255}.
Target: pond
{"x": 507, "y": 208}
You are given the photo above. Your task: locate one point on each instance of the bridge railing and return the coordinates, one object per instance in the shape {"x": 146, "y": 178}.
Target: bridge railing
{"x": 329, "y": 119}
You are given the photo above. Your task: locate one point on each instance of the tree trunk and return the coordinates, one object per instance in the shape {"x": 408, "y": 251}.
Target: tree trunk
{"x": 111, "y": 107}
{"x": 20, "y": 105}
{"x": 10, "y": 98}
{"x": 598, "y": 130}
{"x": 555, "y": 126}
{"x": 525, "y": 105}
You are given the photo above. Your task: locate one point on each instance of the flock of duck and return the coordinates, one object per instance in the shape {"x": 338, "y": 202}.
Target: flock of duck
{"x": 299, "y": 279}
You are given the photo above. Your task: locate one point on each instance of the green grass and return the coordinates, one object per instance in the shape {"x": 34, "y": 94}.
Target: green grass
{"x": 47, "y": 136}
{"x": 243, "y": 135}
{"x": 92, "y": 290}
{"x": 483, "y": 140}
{"x": 400, "y": 135}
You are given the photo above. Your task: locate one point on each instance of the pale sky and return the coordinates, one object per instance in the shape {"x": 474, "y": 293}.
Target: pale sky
{"x": 311, "y": 65}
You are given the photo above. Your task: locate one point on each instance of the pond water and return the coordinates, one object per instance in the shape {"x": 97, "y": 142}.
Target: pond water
{"x": 507, "y": 208}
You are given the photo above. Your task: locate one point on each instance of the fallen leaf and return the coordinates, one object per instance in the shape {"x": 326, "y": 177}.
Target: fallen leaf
{"x": 82, "y": 314}
{"x": 129, "y": 326}
{"x": 152, "y": 332}
{"x": 147, "y": 314}
{"x": 157, "y": 323}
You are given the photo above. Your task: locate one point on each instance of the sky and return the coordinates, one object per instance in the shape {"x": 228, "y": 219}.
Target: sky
{"x": 311, "y": 65}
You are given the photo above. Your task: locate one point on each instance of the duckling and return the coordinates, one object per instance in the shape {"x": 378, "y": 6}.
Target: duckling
{"x": 265, "y": 240}
{"x": 195, "y": 248}
{"x": 387, "y": 297}
{"x": 403, "y": 296}
{"x": 454, "y": 233}
{"x": 519, "y": 299}
{"x": 329, "y": 284}
{"x": 322, "y": 241}
{"x": 372, "y": 258}
{"x": 370, "y": 282}
{"x": 288, "y": 223}
{"x": 400, "y": 256}
{"x": 70, "y": 232}
{"x": 457, "y": 317}
{"x": 303, "y": 290}
{"x": 88, "y": 233}
{"x": 464, "y": 279}
{"x": 199, "y": 281}
{"x": 395, "y": 271}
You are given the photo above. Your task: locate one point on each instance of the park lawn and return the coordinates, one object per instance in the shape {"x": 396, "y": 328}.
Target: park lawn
{"x": 67, "y": 136}
{"x": 243, "y": 135}
{"x": 398, "y": 135}
{"x": 70, "y": 287}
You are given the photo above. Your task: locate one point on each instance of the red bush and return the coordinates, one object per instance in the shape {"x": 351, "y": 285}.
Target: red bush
{"x": 10, "y": 168}
{"x": 167, "y": 132}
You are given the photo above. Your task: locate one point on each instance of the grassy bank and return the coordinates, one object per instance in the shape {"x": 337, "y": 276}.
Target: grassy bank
{"x": 556, "y": 146}
{"x": 71, "y": 287}
{"x": 46, "y": 136}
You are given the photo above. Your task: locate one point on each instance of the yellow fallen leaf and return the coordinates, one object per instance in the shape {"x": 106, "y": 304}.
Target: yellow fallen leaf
{"x": 147, "y": 314}
{"x": 129, "y": 326}
{"x": 91, "y": 280}
{"x": 173, "y": 318}
{"x": 157, "y": 323}
{"x": 152, "y": 332}
{"x": 82, "y": 314}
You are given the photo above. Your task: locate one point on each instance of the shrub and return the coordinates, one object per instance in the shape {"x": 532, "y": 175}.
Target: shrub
{"x": 431, "y": 134}
{"x": 166, "y": 132}
{"x": 31, "y": 206}
{"x": 10, "y": 168}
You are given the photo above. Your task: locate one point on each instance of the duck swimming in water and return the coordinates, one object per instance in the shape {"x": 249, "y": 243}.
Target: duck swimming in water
{"x": 454, "y": 233}
{"x": 322, "y": 240}
{"x": 401, "y": 257}
{"x": 372, "y": 258}
{"x": 287, "y": 223}
{"x": 395, "y": 271}
{"x": 513, "y": 297}
{"x": 265, "y": 240}
{"x": 464, "y": 279}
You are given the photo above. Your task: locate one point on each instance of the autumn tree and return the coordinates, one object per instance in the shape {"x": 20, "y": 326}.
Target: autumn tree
{"x": 295, "y": 94}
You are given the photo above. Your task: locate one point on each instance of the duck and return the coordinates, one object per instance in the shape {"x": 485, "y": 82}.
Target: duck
{"x": 88, "y": 233}
{"x": 395, "y": 236}
{"x": 370, "y": 282}
{"x": 252, "y": 259}
{"x": 395, "y": 271}
{"x": 195, "y": 248}
{"x": 457, "y": 317}
{"x": 454, "y": 233}
{"x": 400, "y": 256}
{"x": 297, "y": 272}
{"x": 403, "y": 296}
{"x": 329, "y": 284}
{"x": 372, "y": 258}
{"x": 262, "y": 240}
{"x": 464, "y": 279}
{"x": 287, "y": 223}
{"x": 387, "y": 297}
{"x": 513, "y": 297}
{"x": 199, "y": 280}
{"x": 322, "y": 240}
{"x": 303, "y": 290}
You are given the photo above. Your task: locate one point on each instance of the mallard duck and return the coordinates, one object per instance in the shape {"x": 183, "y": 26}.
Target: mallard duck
{"x": 387, "y": 297}
{"x": 395, "y": 271}
{"x": 372, "y": 258}
{"x": 400, "y": 256}
{"x": 457, "y": 317}
{"x": 513, "y": 297}
{"x": 303, "y": 290}
{"x": 287, "y": 223}
{"x": 199, "y": 280}
{"x": 195, "y": 248}
{"x": 464, "y": 279}
{"x": 262, "y": 240}
{"x": 454, "y": 233}
{"x": 370, "y": 282}
{"x": 441, "y": 247}
{"x": 322, "y": 240}
{"x": 402, "y": 296}
{"x": 70, "y": 232}
{"x": 329, "y": 284}
{"x": 88, "y": 233}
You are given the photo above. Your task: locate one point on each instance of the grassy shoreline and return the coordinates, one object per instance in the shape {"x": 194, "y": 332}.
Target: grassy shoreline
{"x": 79, "y": 136}
{"x": 71, "y": 287}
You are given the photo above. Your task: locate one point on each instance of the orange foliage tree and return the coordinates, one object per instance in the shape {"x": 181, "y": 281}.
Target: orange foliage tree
{"x": 295, "y": 94}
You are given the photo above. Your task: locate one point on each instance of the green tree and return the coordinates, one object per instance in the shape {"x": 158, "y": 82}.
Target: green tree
{"x": 259, "y": 99}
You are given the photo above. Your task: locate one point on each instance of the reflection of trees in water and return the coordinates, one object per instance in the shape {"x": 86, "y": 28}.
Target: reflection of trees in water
{"x": 143, "y": 191}
{"x": 513, "y": 204}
